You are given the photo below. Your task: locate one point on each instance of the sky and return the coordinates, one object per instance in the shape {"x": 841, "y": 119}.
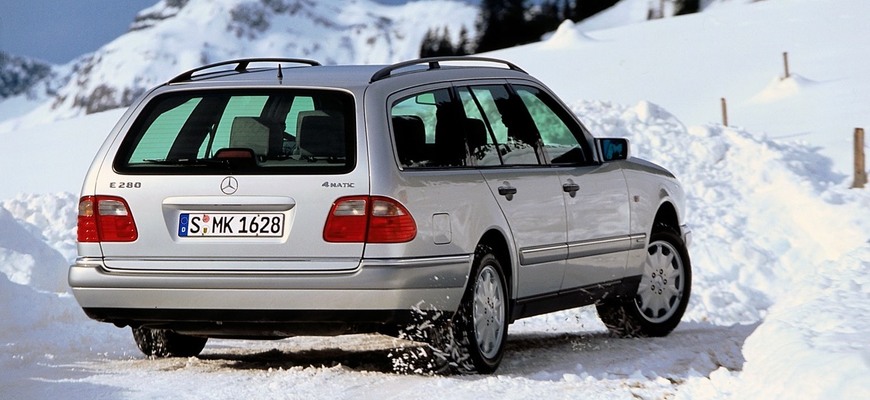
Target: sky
{"x": 57, "y": 31}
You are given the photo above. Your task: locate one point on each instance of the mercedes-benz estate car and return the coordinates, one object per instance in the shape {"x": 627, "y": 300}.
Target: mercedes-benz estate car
{"x": 269, "y": 198}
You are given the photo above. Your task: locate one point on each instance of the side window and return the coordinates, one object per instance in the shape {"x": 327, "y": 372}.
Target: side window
{"x": 484, "y": 133}
{"x": 427, "y": 131}
{"x": 510, "y": 138}
{"x": 560, "y": 142}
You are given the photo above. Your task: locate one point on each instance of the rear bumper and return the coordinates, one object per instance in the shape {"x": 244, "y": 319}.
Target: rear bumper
{"x": 374, "y": 293}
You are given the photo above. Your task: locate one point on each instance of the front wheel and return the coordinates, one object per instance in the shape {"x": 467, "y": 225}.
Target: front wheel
{"x": 662, "y": 295}
{"x": 165, "y": 343}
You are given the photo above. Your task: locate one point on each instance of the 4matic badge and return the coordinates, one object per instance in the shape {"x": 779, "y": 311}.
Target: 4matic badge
{"x": 328, "y": 184}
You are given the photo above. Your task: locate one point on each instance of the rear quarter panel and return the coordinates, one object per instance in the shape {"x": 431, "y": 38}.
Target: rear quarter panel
{"x": 102, "y": 158}
{"x": 453, "y": 208}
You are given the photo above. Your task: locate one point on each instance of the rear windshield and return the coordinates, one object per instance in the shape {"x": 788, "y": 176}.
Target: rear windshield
{"x": 256, "y": 132}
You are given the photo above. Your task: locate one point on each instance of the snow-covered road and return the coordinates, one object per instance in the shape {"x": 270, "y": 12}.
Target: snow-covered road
{"x": 539, "y": 360}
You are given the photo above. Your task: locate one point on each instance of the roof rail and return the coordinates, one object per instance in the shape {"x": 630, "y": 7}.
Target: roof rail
{"x": 241, "y": 66}
{"x": 434, "y": 63}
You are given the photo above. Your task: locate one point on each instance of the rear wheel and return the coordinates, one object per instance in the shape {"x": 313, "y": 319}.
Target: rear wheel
{"x": 470, "y": 341}
{"x": 482, "y": 318}
{"x": 662, "y": 295}
{"x": 166, "y": 343}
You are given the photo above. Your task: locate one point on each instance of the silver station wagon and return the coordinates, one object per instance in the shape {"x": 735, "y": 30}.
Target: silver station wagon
{"x": 438, "y": 199}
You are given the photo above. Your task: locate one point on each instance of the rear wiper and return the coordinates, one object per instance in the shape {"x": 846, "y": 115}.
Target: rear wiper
{"x": 329, "y": 160}
{"x": 190, "y": 161}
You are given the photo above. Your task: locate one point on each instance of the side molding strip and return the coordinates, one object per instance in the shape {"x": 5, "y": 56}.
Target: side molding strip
{"x": 586, "y": 248}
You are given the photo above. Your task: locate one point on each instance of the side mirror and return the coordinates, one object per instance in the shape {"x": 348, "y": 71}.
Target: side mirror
{"x": 612, "y": 149}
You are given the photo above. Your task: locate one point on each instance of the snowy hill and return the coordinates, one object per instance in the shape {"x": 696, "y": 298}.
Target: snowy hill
{"x": 173, "y": 36}
{"x": 732, "y": 50}
{"x": 780, "y": 304}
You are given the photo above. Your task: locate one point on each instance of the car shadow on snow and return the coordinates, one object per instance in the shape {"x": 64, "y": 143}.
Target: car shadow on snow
{"x": 354, "y": 352}
{"x": 367, "y": 360}
{"x": 693, "y": 348}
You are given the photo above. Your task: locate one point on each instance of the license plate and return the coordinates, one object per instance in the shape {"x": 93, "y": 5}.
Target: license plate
{"x": 231, "y": 225}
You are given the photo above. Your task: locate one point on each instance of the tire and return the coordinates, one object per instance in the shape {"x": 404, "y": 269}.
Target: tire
{"x": 662, "y": 294}
{"x": 472, "y": 339}
{"x": 164, "y": 343}
{"x": 483, "y": 315}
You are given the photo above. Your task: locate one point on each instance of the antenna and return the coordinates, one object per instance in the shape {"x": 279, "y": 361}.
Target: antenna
{"x": 280, "y": 74}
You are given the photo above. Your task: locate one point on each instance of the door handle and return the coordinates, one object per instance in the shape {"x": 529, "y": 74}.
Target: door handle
{"x": 507, "y": 190}
{"x": 571, "y": 188}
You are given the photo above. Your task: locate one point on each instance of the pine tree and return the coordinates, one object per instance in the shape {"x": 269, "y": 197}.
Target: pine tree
{"x": 586, "y": 8}
{"x": 501, "y": 24}
{"x": 687, "y": 7}
{"x": 567, "y": 12}
{"x": 428, "y": 47}
{"x": 445, "y": 46}
{"x": 437, "y": 43}
{"x": 546, "y": 20}
{"x": 463, "y": 47}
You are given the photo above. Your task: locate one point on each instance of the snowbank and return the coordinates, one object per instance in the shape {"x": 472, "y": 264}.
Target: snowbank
{"x": 40, "y": 322}
{"x": 776, "y": 239}
{"x": 26, "y": 259}
{"x": 813, "y": 344}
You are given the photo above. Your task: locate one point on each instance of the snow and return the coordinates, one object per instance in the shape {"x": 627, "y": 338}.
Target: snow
{"x": 167, "y": 40}
{"x": 687, "y": 64}
{"x": 66, "y": 148}
{"x": 780, "y": 304}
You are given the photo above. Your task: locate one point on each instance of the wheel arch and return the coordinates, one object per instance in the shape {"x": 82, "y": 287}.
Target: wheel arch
{"x": 666, "y": 219}
{"x": 497, "y": 241}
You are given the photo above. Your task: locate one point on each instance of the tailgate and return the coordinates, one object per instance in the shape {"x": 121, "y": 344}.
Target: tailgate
{"x": 270, "y": 224}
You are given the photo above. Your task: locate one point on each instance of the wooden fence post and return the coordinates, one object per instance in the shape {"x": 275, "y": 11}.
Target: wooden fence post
{"x": 724, "y": 112}
{"x": 860, "y": 167}
{"x": 785, "y": 62}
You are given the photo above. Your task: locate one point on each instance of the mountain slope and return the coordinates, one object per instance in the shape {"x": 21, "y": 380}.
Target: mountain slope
{"x": 176, "y": 35}
{"x": 18, "y": 75}
{"x": 25, "y": 83}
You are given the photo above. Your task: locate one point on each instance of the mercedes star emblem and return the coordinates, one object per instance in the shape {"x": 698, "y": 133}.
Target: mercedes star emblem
{"x": 229, "y": 185}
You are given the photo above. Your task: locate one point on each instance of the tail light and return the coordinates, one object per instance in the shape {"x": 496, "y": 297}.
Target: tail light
{"x": 369, "y": 219}
{"x": 105, "y": 219}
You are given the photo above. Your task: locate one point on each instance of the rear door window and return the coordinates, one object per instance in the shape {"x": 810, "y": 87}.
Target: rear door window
{"x": 509, "y": 138}
{"x": 428, "y": 131}
{"x": 268, "y": 131}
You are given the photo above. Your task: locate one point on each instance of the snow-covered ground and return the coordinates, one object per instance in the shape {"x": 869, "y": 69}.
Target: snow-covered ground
{"x": 781, "y": 253}
{"x": 733, "y": 51}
